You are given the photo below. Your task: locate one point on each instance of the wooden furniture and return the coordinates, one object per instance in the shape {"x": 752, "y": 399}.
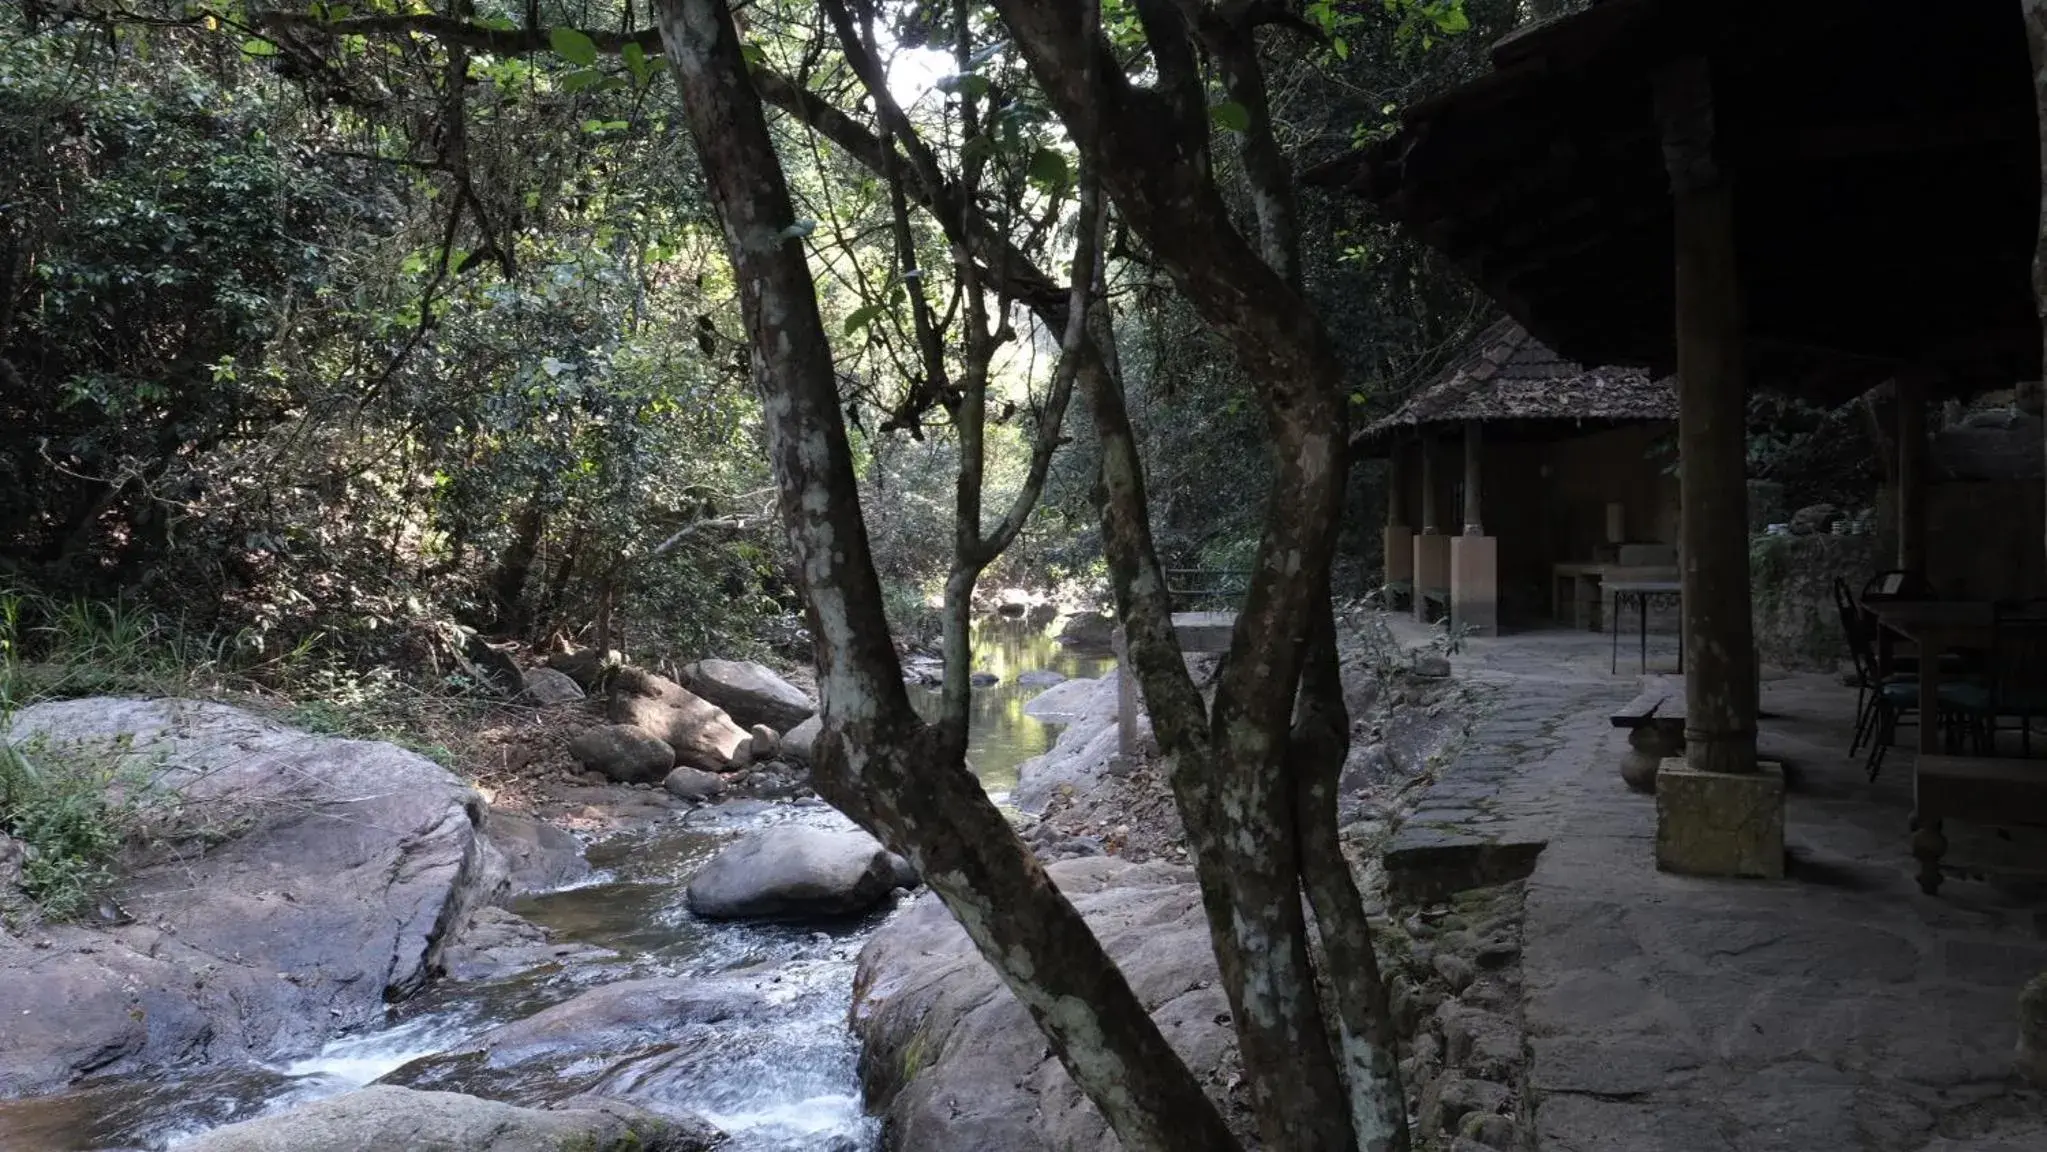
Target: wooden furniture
{"x": 2001, "y": 793}
{"x": 1937, "y": 627}
{"x": 1642, "y": 594}
{"x": 1578, "y": 589}
{"x": 1655, "y": 723}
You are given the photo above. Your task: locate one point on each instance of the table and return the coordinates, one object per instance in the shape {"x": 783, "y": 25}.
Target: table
{"x": 1937, "y": 627}
{"x": 1643, "y": 593}
{"x": 1577, "y": 584}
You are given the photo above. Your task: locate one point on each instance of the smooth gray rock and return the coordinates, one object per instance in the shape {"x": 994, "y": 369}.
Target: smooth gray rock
{"x": 614, "y": 1017}
{"x": 498, "y": 942}
{"x": 766, "y": 743}
{"x": 385, "y": 1117}
{"x": 952, "y": 1061}
{"x": 1089, "y": 631}
{"x": 539, "y": 857}
{"x": 799, "y": 743}
{"x": 751, "y": 692}
{"x": 297, "y": 883}
{"x": 1086, "y": 751}
{"x": 795, "y": 872}
{"x": 1041, "y": 678}
{"x": 547, "y": 687}
{"x": 693, "y": 784}
{"x": 623, "y": 752}
{"x": 701, "y": 733}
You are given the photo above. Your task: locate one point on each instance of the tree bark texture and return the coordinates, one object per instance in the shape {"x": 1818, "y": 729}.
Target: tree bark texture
{"x": 1720, "y": 685}
{"x": 1239, "y": 801}
{"x": 905, "y": 780}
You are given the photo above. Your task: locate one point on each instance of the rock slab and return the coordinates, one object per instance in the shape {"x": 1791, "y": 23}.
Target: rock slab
{"x": 623, "y": 752}
{"x": 294, "y": 884}
{"x": 548, "y": 687}
{"x": 382, "y": 1117}
{"x": 702, "y": 734}
{"x": 750, "y": 692}
{"x": 794, "y": 872}
{"x": 952, "y": 1061}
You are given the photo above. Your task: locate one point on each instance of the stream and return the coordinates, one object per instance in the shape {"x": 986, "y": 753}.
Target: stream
{"x": 779, "y": 1077}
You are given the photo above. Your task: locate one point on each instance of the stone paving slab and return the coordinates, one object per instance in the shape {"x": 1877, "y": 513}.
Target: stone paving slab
{"x": 1838, "y": 1009}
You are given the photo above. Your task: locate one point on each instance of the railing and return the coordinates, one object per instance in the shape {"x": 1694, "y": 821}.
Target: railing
{"x": 1207, "y": 589}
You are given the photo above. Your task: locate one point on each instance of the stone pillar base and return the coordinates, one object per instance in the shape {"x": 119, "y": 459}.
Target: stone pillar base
{"x": 1431, "y": 571}
{"x": 1720, "y": 823}
{"x": 1475, "y": 584}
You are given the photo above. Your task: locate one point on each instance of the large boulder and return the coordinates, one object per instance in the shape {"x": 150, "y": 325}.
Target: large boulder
{"x": 579, "y": 1046}
{"x": 1088, "y": 747}
{"x": 385, "y": 1117}
{"x": 793, "y": 872}
{"x": 701, "y": 733}
{"x": 548, "y": 687}
{"x": 539, "y": 857}
{"x": 800, "y": 743}
{"x": 1089, "y": 632}
{"x": 623, "y": 752}
{"x": 953, "y": 1061}
{"x": 293, "y": 886}
{"x": 750, "y": 692}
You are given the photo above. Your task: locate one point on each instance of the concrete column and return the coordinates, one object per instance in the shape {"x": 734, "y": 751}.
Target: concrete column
{"x": 1430, "y": 524}
{"x": 1911, "y": 432}
{"x": 1399, "y": 538}
{"x": 1720, "y": 684}
{"x": 1474, "y": 474}
{"x": 1431, "y": 548}
{"x": 1474, "y": 556}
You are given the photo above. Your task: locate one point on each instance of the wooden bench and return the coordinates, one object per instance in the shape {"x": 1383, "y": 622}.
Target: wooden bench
{"x": 1655, "y": 723}
{"x": 1998, "y": 792}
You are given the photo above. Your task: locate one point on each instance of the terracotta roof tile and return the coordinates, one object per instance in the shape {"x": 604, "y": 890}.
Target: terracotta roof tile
{"x": 1506, "y": 374}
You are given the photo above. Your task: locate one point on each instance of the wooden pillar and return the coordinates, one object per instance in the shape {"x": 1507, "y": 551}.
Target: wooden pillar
{"x": 1430, "y": 525}
{"x": 1395, "y": 477}
{"x": 1911, "y": 431}
{"x": 1720, "y": 684}
{"x": 1473, "y": 474}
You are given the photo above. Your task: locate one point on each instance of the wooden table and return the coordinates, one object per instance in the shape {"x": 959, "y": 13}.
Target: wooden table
{"x": 1976, "y": 790}
{"x": 1936, "y": 627}
{"x": 1574, "y": 585}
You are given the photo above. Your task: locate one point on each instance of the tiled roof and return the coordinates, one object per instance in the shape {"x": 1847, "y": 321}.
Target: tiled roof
{"x": 1507, "y": 374}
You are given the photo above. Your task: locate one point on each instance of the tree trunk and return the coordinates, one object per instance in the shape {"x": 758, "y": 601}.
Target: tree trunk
{"x": 2036, "y": 41}
{"x": 1237, "y": 791}
{"x": 906, "y": 781}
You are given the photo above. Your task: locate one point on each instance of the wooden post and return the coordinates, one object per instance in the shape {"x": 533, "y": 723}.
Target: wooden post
{"x": 1720, "y": 687}
{"x": 1430, "y": 525}
{"x": 1394, "y": 477}
{"x": 1911, "y": 429}
{"x": 1473, "y": 474}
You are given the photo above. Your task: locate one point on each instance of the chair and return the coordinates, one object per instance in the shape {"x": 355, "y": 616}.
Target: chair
{"x": 1881, "y": 700}
{"x": 2015, "y": 684}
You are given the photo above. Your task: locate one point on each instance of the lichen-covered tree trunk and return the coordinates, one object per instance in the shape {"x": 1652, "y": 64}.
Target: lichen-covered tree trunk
{"x": 905, "y": 780}
{"x": 1238, "y": 789}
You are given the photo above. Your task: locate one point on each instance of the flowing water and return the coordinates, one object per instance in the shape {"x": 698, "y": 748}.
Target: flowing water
{"x": 781, "y": 1077}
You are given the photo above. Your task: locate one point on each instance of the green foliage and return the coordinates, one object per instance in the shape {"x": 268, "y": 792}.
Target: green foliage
{"x": 73, "y": 814}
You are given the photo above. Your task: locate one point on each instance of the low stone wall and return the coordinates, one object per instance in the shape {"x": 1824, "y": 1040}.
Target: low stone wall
{"x": 1791, "y": 580}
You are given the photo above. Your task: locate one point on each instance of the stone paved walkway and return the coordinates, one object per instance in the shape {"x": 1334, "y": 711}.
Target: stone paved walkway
{"x": 1839, "y": 1009}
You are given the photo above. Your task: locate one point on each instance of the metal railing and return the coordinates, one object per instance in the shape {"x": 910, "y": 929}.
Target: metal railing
{"x": 1207, "y": 589}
